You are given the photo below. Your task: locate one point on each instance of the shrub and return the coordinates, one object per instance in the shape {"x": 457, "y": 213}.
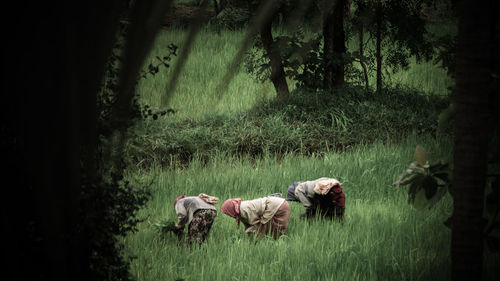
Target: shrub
{"x": 308, "y": 123}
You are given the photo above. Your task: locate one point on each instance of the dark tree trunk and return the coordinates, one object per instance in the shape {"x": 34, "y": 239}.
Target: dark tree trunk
{"x": 339, "y": 48}
{"x": 277, "y": 72}
{"x": 216, "y": 7}
{"x": 361, "y": 54}
{"x": 328, "y": 51}
{"x": 378, "y": 51}
{"x": 56, "y": 120}
{"x": 473, "y": 86}
{"x": 334, "y": 45}
{"x": 53, "y": 83}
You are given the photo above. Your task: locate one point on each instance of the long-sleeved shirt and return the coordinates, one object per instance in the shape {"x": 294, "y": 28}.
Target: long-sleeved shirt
{"x": 290, "y": 194}
{"x": 305, "y": 192}
{"x": 187, "y": 206}
{"x": 259, "y": 211}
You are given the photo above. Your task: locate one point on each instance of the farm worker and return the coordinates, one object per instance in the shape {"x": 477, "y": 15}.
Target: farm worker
{"x": 324, "y": 195}
{"x": 261, "y": 215}
{"x": 198, "y": 212}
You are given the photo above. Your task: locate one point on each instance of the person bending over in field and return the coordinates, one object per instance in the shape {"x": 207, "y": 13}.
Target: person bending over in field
{"x": 198, "y": 212}
{"x": 323, "y": 195}
{"x": 261, "y": 216}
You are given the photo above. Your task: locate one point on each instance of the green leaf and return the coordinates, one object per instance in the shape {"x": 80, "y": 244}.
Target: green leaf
{"x": 420, "y": 155}
{"x": 444, "y": 176}
{"x": 422, "y": 189}
{"x": 415, "y": 187}
{"x": 430, "y": 185}
{"x": 409, "y": 175}
{"x": 441, "y": 192}
{"x": 440, "y": 167}
{"x": 405, "y": 178}
{"x": 420, "y": 201}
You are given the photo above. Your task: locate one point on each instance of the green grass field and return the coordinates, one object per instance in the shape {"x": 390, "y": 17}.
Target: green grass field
{"x": 381, "y": 238}
{"x": 196, "y": 97}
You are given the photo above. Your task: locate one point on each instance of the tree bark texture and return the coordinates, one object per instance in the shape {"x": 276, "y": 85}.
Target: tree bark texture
{"x": 53, "y": 87}
{"x": 277, "y": 72}
{"x": 378, "y": 47}
{"x": 339, "y": 48}
{"x": 334, "y": 45}
{"x": 473, "y": 86}
{"x": 328, "y": 52}
{"x": 361, "y": 54}
{"x": 55, "y": 75}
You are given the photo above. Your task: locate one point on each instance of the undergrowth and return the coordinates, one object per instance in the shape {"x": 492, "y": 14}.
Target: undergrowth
{"x": 308, "y": 123}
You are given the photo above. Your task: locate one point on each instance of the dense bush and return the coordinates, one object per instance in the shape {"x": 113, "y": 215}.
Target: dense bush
{"x": 233, "y": 15}
{"x": 308, "y": 123}
{"x": 109, "y": 201}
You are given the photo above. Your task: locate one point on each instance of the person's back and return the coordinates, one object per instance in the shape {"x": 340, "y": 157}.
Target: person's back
{"x": 323, "y": 195}
{"x": 198, "y": 212}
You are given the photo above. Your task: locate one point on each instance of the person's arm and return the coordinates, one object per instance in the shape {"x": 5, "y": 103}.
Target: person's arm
{"x": 251, "y": 214}
{"x": 300, "y": 193}
{"x": 181, "y": 215}
{"x": 252, "y": 228}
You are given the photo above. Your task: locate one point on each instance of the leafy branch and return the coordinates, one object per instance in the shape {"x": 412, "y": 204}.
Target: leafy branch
{"x": 429, "y": 183}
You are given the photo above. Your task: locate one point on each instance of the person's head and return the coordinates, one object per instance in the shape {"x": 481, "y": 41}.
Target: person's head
{"x": 231, "y": 207}
{"x": 324, "y": 186}
{"x": 178, "y": 198}
{"x": 209, "y": 199}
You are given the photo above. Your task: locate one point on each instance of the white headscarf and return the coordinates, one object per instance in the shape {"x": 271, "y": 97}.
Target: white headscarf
{"x": 323, "y": 186}
{"x": 209, "y": 199}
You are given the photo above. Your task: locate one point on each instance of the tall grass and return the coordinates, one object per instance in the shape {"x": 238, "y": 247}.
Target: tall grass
{"x": 382, "y": 238}
{"x": 195, "y": 95}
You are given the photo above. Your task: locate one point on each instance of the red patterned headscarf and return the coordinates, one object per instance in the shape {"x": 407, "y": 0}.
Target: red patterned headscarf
{"x": 231, "y": 207}
{"x": 179, "y": 198}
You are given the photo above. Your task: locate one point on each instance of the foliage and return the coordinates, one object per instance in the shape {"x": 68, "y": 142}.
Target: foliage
{"x": 429, "y": 183}
{"x": 302, "y": 61}
{"x": 111, "y": 213}
{"x": 107, "y": 96}
{"x": 446, "y": 48}
{"x": 163, "y": 227}
{"x": 309, "y": 123}
{"x": 234, "y": 16}
{"x": 378, "y": 228}
{"x": 110, "y": 201}
{"x": 404, "y": 35}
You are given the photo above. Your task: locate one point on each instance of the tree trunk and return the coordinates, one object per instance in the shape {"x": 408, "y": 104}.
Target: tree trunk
{"x": 334, "y": 45}
{"x": 328, "y": 51}
{"x": 55, "y": 120}
{"x": 361, "y": 54}
{"x": 277, "y": 72}
{"x": 339, "y": 48}
{"x": 378, "y": 15}
{"x": 54, "y": 125}
{"x": 473, "y": 81}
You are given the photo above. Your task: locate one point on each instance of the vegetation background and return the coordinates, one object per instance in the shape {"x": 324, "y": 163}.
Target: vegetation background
{"x": 242, "y": 143}
{"x": 120, "y": 106}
